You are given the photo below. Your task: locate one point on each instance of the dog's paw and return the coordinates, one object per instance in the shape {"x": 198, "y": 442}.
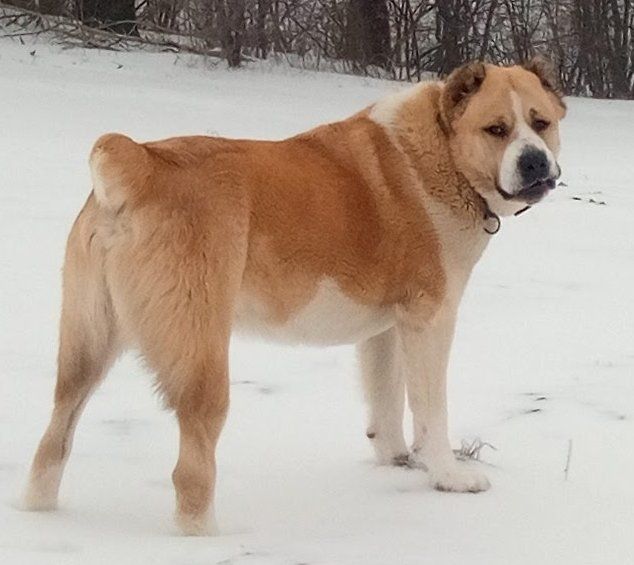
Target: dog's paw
{"x": 196, "y": 525}
{"x": 400, "y": 460}
{"x": 458, "y": 478}
{"x": 389, "y": 449}
{"x": 40, "y": 494}
{"x": 34, "y": 502}
{"x": 392, "y": 458}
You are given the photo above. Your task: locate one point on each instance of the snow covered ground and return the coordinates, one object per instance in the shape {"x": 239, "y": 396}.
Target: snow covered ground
{"x": 543, "y": 359}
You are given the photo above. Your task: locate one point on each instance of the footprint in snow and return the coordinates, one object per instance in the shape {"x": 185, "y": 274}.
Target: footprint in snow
{"x": 123, "y": 426}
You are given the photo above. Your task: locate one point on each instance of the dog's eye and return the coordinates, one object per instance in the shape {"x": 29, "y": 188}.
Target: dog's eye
{"x": 540, "y": 125}
{"x": 497, "y": 130}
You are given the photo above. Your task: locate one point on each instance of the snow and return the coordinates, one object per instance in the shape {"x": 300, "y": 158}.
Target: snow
{"x": 543, "y": 359}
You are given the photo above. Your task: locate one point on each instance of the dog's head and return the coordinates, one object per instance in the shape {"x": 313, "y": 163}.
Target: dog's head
{"x": 503, "y": 130}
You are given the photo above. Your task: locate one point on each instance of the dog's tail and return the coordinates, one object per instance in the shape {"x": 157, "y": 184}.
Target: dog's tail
{"x": 120, "y": 169}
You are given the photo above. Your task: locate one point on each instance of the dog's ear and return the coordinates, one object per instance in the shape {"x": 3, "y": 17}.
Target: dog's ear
{"x": 547, "y": 75}
{"x": 459, "y": 86}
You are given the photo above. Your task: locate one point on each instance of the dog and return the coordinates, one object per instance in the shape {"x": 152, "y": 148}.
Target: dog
{"x": 363, "y": 231}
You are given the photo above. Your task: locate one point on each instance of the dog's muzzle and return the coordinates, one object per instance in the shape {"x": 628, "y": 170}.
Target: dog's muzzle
{"x": 535, "y": 173}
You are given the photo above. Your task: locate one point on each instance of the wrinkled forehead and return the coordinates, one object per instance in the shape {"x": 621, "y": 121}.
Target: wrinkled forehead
{"x": 505, "y": 91}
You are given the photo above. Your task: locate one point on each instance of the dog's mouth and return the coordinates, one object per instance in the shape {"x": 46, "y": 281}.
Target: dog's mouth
{"x": 532, "y": 193}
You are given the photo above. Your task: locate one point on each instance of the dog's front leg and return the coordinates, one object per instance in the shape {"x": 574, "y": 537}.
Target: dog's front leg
{"x": 425, "y": 336}
{"x": 385, "y": 394}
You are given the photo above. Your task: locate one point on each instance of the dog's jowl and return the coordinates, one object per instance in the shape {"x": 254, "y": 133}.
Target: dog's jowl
{"x": 362, "y": 231}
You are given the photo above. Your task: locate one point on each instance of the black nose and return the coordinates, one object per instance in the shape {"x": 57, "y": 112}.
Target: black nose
{"x": 533, "y": 165}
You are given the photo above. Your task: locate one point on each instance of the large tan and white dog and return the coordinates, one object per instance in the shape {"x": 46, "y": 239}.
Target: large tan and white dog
{"x": 363, "y": 231}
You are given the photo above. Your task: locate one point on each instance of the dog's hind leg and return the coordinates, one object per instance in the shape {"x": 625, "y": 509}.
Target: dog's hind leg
{"x": 88, "y": 345}
{"x": 201, "y": 408}
{"x": 183, "y": 325}
{"x": 187, "y": 344}
{"x": 384, "y": 387}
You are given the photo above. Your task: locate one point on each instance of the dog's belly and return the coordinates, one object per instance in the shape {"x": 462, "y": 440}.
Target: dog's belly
{"x": 330, "y": 318}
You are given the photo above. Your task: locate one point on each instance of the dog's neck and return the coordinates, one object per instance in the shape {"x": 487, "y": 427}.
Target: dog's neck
{"x": 475, "y": 202}
{"x": 412, "y": 118}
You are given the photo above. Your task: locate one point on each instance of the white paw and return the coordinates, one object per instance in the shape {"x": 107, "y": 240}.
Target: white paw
{"x": 196, "y": 525}
{"x": 41, "y": 493}
{"x": 389, "y": 450}
{"x": 458, "y": 478}
{"x": 33, "y": 502}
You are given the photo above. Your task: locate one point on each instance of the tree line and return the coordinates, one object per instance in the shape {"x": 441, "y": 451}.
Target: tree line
{"x": 589, "y": 41}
